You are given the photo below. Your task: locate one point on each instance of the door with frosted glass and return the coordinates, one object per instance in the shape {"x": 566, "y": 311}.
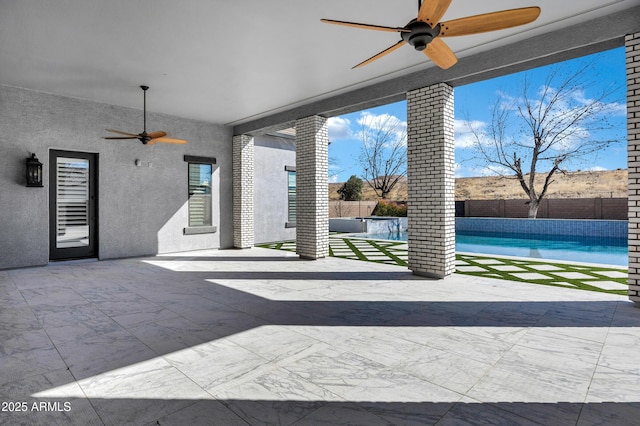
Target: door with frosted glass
{"x": 72, "y": 205}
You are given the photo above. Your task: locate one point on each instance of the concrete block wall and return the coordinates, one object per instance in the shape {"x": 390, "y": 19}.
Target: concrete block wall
{"x": 430, "y": 161}
{"x": 632, "y": 43}
{"x": 312, "y": 187}
{"x": 552, "y": 208}
{"x": 341, "y": 208}
{"x": 243, "y": 204}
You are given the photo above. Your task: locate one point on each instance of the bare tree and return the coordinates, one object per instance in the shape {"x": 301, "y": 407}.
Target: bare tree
{"x": 383, "y": 155}
{"x": 536, "y": 135}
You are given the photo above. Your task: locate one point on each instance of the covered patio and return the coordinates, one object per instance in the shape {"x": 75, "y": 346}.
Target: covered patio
{"x": 214, "y": 335}
{"x": 259, "y": 337}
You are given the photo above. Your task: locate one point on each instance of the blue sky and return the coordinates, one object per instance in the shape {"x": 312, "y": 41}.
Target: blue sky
{"x": 473, "y": 104}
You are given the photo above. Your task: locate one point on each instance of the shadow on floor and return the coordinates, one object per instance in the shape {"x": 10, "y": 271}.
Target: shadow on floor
{"x": 68, "y": 323}
{"x": 150, "y": 412}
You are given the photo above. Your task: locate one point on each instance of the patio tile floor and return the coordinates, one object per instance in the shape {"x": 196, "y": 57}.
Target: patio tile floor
{"x": 255, "y": 337}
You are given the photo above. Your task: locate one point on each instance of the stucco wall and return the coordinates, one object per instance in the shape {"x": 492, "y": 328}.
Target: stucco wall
{"x": 142, "y": 209}
{"x": 271, "y": 155}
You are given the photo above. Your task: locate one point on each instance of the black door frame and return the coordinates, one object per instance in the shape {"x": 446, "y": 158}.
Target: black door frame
{"x": 90, "y": 251}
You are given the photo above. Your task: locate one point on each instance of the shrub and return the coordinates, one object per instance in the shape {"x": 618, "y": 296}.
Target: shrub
{"x": 351, "y": 190}
{"x": 390, "y": 208}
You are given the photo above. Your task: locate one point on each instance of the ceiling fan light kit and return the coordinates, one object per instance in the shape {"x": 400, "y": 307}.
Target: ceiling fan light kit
{"x": 144, "y": 137}
{"x": 424, "y": 32}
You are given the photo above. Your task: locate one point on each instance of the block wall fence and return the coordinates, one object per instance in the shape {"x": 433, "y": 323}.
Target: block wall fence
{"x": 553, "y": 208}
{"x": 572, "y": 208}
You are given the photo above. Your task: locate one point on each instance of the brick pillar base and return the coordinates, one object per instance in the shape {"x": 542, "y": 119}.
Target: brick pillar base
{"x": 242, "y": 191}
{"x": 430, "y": 172}
{"x": 312, "y": 192}
{"x": 632, "y": 43}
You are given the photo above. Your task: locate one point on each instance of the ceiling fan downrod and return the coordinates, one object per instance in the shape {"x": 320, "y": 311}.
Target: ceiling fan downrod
{"x": 144, "y": 139}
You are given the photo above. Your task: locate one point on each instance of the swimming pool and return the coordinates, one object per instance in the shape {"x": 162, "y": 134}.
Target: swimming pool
{"x": 610, "y": 251}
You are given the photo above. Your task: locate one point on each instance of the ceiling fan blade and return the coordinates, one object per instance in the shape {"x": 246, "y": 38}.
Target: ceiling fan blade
{"x": 155, "y": 135}
{"x": 440, "y": 54}
{"x": 167, "y": 140}
{"x": 432, "y": 11}
{"x": 366, "y": 26}
{"x": 489, "y": 22}
{"x": 121, "y": 132}
{"x": 381, "y": 54}
{"x": 120, "y": 137}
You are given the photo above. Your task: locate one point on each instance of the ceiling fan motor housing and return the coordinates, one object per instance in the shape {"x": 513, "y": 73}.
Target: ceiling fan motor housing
{"x": 421, "y": 34}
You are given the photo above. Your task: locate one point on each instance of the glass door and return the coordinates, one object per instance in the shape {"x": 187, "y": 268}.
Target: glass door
{"x": 72, "y": 205}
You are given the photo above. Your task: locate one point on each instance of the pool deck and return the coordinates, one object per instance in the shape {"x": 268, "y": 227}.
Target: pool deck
{"x": 595, "y": 277}
{"x": 258, "y": 336}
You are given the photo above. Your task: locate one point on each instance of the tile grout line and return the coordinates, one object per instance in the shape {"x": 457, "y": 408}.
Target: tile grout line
{"x": 584, "y": 402}
{"x": 68, "y": 367}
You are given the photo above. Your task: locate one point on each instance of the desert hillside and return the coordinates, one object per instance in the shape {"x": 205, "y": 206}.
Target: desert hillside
{"x": 605, "y": 184}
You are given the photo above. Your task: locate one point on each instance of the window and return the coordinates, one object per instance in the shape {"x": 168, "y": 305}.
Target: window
{"x": 291, "y": 195}
{"x": 200, "y": 176}
{"x": 199, "y": 194}
{"x": 72, "y": 202}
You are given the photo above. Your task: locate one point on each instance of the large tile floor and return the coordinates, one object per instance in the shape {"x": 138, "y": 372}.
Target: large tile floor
{"x": 259, "y": 337}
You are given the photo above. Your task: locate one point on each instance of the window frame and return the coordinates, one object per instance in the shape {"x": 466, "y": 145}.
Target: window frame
{"x": 291, "y": 223}
{"x": 207, "y": 228}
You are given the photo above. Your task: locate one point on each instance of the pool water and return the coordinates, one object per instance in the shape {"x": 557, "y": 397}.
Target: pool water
{"x": 610, "y": 251}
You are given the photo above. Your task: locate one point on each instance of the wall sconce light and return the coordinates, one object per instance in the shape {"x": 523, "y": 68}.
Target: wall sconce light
{"x": 34, "y": 172}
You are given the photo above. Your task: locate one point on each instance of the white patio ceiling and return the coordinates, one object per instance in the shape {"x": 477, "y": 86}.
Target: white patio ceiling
{"x": 233, "y": 62}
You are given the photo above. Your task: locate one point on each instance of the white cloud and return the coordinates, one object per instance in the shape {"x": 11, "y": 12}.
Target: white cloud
{"x": 492, "y": 170}
{"x": 381, "y": 120}
{"x": 616, "y": 108}
{"x": 333, "y": 179}
{"x": 464, "y": 132}
{"x": 606, "y": 108}
{"x": 597, "y": 169}
{"x": 385, "y": 123}
{"x": 339, "y": 128}
{"x": 564, "y": 119}
{"x": 572, "y": 139}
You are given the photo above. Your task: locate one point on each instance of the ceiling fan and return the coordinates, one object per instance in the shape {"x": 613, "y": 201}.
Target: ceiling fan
{"x": 424, "y": 32}
{"x": 144, "y": 137}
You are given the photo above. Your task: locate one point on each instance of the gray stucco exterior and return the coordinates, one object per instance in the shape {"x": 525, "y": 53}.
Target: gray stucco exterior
{"x": 271, "y": 155}
{"x": 142, "y": 209}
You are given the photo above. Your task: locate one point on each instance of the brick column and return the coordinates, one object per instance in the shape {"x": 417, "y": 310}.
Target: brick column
{"x": 430, "y": 172}
{"x": 312, "y": 188}
{"x": 242, "y": 191}
{"x": 632, "y": 43}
